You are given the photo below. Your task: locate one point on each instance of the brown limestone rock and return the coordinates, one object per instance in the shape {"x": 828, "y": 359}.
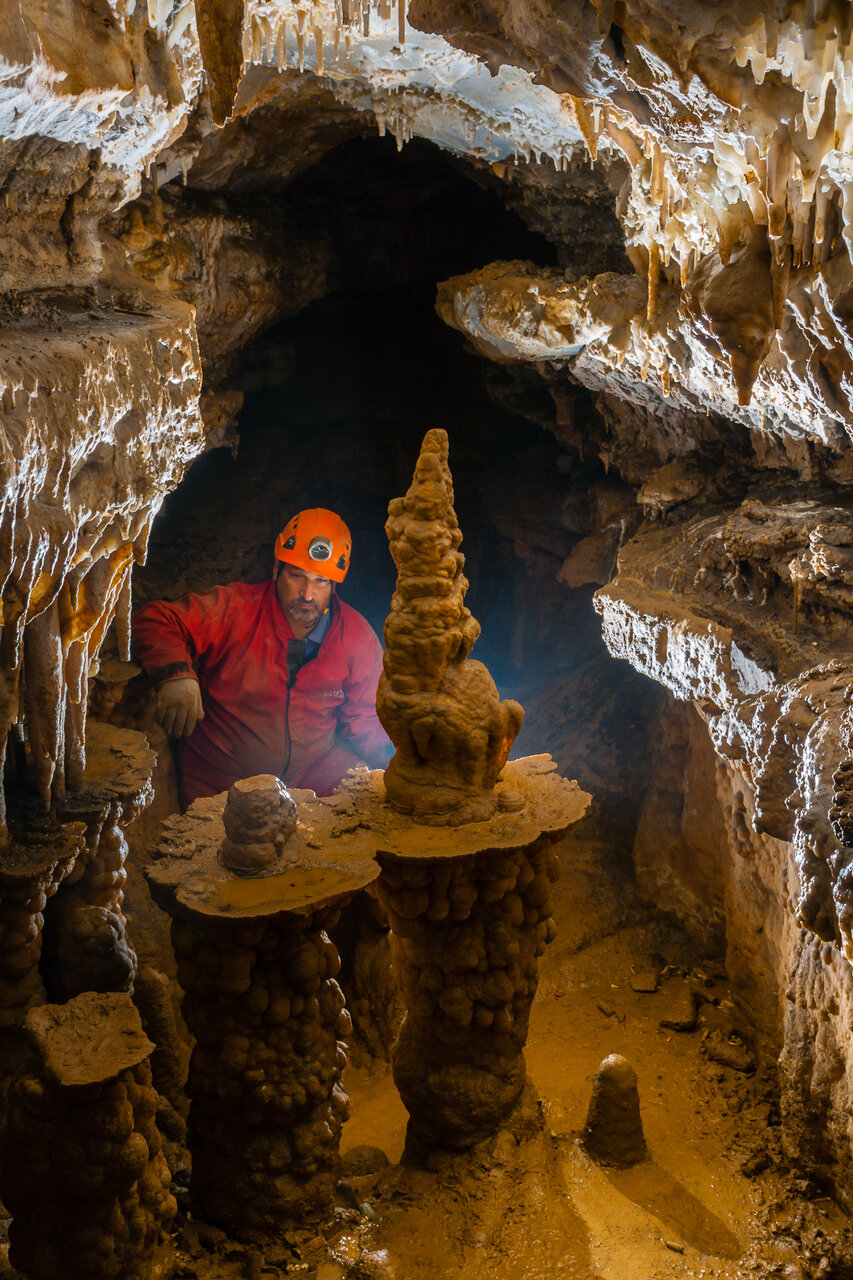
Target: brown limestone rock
{"x": 613, "y": 1133}
{"x": 441, "y": 710}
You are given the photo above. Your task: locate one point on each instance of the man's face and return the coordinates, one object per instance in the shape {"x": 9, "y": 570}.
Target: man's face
{"x": 304, "y": 597}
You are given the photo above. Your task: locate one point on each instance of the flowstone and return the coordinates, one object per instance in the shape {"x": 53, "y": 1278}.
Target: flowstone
{"x": 258, "y": 970}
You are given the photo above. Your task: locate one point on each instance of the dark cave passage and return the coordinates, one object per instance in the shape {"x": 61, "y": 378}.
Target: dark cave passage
{"x": 337, "y": 401}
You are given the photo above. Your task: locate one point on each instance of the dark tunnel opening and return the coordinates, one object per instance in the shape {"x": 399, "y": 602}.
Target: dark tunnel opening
{"x": 337, "y": 400}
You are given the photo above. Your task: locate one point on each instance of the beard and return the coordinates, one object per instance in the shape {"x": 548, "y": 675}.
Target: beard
{"x": 306, "y": 615}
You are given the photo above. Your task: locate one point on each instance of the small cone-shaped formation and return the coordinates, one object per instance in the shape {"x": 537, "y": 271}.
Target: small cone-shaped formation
{"x": 442, "y": 711}
{"x": 613, "y": 1133}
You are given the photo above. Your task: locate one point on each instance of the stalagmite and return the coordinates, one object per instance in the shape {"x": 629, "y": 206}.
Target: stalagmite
{"x": 613, "y": 1133}
{"x": 259, "y": 819}
{"x": 86, "y": 927}
{"x": 466, "y": 862}
{"x": 83, "y": 1174}
{"x": 451, "y": 732}
{"x": 258, "y": 971}
{"x": 152, "y": 996}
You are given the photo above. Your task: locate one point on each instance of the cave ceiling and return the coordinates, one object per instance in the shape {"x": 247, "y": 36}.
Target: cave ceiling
{"x": 690, "y": 163}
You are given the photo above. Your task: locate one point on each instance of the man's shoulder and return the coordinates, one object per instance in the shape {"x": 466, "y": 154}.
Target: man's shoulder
{"x": 240, "y": 599}
{"x": 353, "y": 623}
{"x": 248, "y": 590}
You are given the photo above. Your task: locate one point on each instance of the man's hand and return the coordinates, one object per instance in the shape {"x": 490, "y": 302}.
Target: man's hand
{"x": 179, "y": 706}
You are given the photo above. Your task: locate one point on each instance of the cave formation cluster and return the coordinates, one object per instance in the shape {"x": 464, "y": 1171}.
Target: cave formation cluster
{"x": 688, "y": 344}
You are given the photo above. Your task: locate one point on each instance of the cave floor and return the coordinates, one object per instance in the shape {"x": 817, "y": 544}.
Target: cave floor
{"x": 715, "y": 1199}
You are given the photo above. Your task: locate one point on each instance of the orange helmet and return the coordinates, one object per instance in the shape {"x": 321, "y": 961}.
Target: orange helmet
{"x": 317, "y": 541}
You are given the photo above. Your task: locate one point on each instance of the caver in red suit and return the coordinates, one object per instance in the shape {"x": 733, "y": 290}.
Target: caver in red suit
{"x": 275, "y": 677}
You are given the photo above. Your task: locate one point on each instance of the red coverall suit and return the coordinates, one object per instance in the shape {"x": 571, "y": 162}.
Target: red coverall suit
{"x": 234, "y": 639}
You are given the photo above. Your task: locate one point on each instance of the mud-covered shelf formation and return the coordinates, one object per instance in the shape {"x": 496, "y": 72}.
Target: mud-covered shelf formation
{"x": 81, "y": 1166}
{"x": 258, "y": 970}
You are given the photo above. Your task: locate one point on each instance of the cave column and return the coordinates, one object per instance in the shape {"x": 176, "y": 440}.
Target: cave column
{"x": 31, "y": 871}
{"x": 466, "y": 936}
{"x": 86, "y": 935}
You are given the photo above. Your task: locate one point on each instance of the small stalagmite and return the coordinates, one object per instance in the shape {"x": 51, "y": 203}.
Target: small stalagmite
{"x": 259, "y": 818}
{"x": 258, "y": 971}
{"x": 33, "y": 865}
{"x": 81, "y": 1169}
{"x": 613, "y": 1133}
{"x": 440, "y": 709}
{"x": 85, "y": 932}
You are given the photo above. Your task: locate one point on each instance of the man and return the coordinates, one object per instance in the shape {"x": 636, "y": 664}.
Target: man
{"x": 273, "y": 677}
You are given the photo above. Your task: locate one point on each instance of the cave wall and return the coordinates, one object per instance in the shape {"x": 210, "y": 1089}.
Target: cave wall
{"x": 699, "y": 858}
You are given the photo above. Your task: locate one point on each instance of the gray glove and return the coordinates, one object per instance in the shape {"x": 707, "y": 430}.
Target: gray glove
{"x": 179, "y": 706}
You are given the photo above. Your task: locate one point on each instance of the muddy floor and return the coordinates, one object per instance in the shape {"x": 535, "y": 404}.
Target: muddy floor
{"x": 716, "y": 1198}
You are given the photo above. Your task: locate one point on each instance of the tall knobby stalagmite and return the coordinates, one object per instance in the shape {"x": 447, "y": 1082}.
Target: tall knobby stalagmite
{"x": 466, "y": 855}
{"x": 441, "y": 710}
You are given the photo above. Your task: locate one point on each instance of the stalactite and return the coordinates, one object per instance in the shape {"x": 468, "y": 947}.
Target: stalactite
{"x": 124, "y": 608}
{"x": 654, "y": 282}
{"x": 45, "y": 700}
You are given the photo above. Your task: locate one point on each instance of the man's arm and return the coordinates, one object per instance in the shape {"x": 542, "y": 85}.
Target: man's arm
{"x": 168, "y": 637}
